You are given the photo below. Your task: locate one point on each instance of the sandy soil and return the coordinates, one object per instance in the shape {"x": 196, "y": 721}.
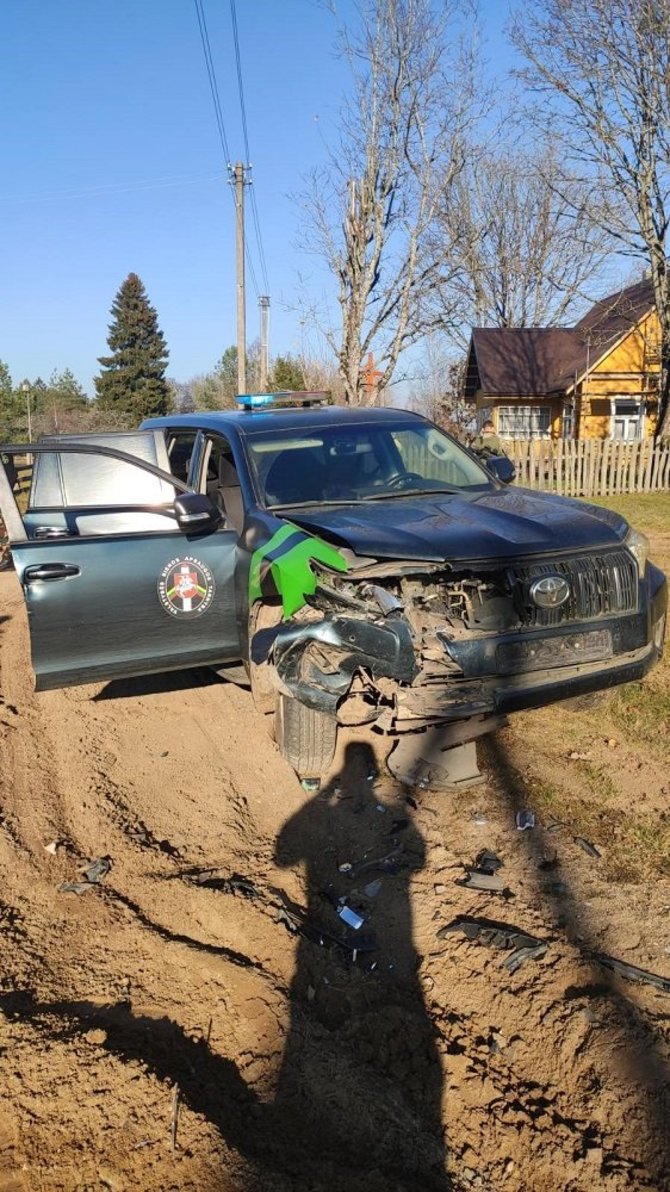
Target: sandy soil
{"x": 169, "y": 1028}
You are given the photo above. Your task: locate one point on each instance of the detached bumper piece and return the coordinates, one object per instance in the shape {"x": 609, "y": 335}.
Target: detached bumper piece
{"x": 316, "y": 661}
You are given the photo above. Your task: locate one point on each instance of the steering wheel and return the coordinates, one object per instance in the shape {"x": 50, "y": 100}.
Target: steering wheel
{"x": 401, "y": 478}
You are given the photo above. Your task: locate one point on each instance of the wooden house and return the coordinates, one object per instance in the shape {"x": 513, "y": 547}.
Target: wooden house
{"x": 596, "y": 380}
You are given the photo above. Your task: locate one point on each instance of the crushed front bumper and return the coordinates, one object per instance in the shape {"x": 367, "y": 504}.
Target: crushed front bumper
{"x": 318, "y": 660}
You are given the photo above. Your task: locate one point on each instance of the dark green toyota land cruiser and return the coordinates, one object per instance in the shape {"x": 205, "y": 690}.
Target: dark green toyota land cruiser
{"x": 353, "y": 566}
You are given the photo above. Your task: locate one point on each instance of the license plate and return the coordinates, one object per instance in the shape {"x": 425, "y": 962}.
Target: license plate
{"x": 567, "y": 650}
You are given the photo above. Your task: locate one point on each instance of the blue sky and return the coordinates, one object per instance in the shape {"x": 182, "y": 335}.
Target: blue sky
{"x": 110, "y": 162}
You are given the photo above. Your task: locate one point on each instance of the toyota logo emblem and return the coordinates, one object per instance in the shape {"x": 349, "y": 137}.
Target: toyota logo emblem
{"x": 550, "y": 592}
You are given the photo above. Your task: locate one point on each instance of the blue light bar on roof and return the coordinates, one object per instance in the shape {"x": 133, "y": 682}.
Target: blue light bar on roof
{"x": 253, "y": 401}
{"x": 283, "y": 399}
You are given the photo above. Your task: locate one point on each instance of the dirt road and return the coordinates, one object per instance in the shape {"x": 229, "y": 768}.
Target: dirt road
{"x": 169, "y": 1028}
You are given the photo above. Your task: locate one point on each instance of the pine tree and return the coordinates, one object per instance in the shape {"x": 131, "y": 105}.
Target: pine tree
{"x": 286, "y": 374}
{"x": 132, "y": 380}
{"x": 65, "y": 388}
{"x": 12, "y": 409}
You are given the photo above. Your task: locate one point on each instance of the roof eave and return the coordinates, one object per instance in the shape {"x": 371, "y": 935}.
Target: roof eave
{"x": 608, "y": 351}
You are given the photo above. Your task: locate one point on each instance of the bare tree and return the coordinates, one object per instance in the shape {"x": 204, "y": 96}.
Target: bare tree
{"x": 528, "y": 247}
{"x": 402, "y": 144}
{"x": 438, "y": 391}
{"x": 603, "y": 69}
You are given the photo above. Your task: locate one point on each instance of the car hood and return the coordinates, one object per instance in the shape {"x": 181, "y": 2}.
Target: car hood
{"x": 505, "y": 524}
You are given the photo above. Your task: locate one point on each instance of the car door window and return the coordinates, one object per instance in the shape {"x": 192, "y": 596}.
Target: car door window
{"x": 220, "y": 480}
{"x": 76, "y": 494}
{"x": 180, "y": 446}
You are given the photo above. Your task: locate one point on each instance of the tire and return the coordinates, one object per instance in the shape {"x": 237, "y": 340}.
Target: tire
{"x": 306, "y": 738}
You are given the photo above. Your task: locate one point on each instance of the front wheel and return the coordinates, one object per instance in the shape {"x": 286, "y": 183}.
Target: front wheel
{"x": 306, "y": 738}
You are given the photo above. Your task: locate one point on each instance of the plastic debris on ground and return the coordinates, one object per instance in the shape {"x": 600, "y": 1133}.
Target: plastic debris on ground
{"x": 392, "y": 862}
{"x": 490, "y": 883}
{"x": 296, "y": 919}
{"x": 519, "y": 944}
{"x": 590, "y": 849}
{"x": 484, "y": 874}
{"x": 521, "y": 955}
{"x": 235, "y": 884}
{"x": 525, "y": 820}
{"x": 488, "y": 862}
{"x": 311, "y": 785}
{"x": 479, "y": 819}
{"x": 632, "y": 973}
{"x": 350, "y": 917}
{"x": 92, "y": 874}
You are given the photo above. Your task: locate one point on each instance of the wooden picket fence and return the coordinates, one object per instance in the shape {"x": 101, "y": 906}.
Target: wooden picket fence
{"x": 592, "y": 467}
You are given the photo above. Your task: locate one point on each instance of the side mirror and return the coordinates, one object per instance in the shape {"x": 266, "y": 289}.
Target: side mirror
{"x": 503, "y": 469}
{"x": 196, "y": 514}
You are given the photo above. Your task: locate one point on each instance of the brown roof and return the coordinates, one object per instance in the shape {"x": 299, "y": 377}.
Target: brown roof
{"x": 614, "y": 315}
{"x": 523, "y": 361}
{"x": 536, "y": 361}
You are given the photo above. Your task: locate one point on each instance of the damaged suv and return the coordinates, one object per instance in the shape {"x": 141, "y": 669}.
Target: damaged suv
{"x": 352, "y": 566}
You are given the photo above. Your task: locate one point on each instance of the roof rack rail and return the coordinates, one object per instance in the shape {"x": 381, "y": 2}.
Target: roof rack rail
{"x": 285, "y": 399}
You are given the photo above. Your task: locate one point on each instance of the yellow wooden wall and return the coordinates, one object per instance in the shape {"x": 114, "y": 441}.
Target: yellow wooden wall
{"x": 629, "y": 369}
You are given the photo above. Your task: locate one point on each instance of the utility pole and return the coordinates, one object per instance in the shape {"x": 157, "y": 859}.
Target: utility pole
{"x": 26, "y": 388}
{"x": 239, "y": 183}
{"x": 264, "y": 303}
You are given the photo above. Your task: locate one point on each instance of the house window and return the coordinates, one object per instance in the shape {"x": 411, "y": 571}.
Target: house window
{"x": 568, "y": 427}
{"x": 524, "y": 422}
{"x": 627, "y": 419}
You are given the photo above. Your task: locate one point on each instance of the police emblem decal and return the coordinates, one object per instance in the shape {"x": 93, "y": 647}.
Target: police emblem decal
{"x": 186, "y": 587}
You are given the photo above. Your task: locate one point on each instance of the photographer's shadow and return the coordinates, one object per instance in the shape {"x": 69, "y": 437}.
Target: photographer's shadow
{"x": 360, "y": 1071}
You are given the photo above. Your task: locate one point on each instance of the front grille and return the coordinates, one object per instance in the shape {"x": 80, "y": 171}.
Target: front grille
{"x": 600, "y": 586}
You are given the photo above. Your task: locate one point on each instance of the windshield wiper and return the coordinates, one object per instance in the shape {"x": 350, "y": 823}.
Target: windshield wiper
{"x": 313, "y": 504}
{"x": 411, "y": 492}
{"x": 382, "y": 496}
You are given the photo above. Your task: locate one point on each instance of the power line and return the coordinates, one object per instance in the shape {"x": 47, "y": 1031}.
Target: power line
{"x": 250, "y": 267}
{"x": 111, "y": 188}
{"x": 243, "y": 110}
{"x": 245, "y": 134}
{"x": 259, "y": 241}
{"x": 218, "y": 112}
{"x": 207, "y": 50}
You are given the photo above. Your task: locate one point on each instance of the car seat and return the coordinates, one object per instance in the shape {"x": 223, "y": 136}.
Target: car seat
{"x": 295, "y": 476}
{"x": 230, "y": 492}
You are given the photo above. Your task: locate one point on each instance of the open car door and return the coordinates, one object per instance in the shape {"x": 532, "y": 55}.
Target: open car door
{"x": 125, "y": 571}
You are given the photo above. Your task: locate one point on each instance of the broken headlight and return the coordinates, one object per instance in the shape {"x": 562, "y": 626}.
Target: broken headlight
{"x": 638, "y": 545}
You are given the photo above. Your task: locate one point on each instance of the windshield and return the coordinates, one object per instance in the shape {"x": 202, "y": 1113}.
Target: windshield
{"x": 359, "y": 463}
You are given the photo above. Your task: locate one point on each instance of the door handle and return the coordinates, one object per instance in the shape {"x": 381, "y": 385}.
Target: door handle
{"x": 50, "y": 532}
{"x": 49, "y": 571}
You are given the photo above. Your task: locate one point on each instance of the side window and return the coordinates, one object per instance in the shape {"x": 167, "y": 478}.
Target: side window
{"x": 79, "y": 493}
{"x": 220, "y": 481}
{"x": 180, "y": 446}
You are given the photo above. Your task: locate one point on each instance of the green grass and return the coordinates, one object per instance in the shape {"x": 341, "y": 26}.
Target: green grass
{"x": 636, "y": 842}
{"x": 641, "y": 711}
{"x": 649, "y": 512}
